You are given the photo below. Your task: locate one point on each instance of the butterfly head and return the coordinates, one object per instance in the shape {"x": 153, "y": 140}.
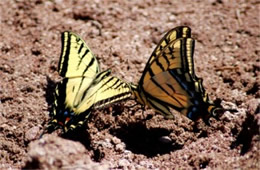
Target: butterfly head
{"x": 60, "y": 120}
{"x": 213, "y": 111}
{"x": 205, "y": 112}
{"x": 66, "y": 120}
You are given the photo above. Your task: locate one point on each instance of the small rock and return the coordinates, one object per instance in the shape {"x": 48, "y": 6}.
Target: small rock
{"x": 165, "y": 139}
{"x": 120, "y": 147}
{"x": 123, "y": 163}
{"x": 253, "y": 106}
{"x": 107, "y": 143}
{"x": 115, "y": 140}
{"x": 32, "y": 133}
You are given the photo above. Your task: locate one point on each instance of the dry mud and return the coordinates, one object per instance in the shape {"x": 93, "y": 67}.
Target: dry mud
{"x": 123, "y": 34}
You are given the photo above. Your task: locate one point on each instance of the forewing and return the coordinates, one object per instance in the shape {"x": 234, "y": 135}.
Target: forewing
{"x": 169, "y": 38}
{"x": 176, "y": 55}
{"x": 76, "y": 58}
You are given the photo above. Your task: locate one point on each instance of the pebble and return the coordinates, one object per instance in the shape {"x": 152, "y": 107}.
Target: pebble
{"x": 32, "y": 133}
{"x": 115, "y": 140}
{"x": 123, "y": 163}
{"x": 120, "y": 147}
{"x": 105, "y": 143}
{"x": 165, "y": 139}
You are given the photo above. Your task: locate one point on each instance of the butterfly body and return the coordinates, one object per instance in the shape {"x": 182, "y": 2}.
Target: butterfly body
{"x": 169, "y": 81}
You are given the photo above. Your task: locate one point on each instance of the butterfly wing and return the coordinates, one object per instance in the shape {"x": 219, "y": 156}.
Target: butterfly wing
{"x": 169, "y": 38}
{"x": 76, "y": 58}
{"x": 83, "y": 87}
{"x": 110, "y": 90}
{"x": 78, "y": 67}
{"x": 160, "y": 87}
{"x": 173, "y": 87}
{"x": 103, "y": 91}
{"x": 169, "y": 80}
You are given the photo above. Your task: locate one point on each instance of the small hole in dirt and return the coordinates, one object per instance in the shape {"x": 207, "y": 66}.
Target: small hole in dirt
{"x": 53, "y": 68}
{"x": 229, "y": 81}
{"x": 256, "y": 68}
{"x": 238, "y": 103}
{"x": 245, "y": 136}
{"x": 55, "y": 9}
{"x": 19, "y": 119}
{"x": 27, "y": 89}
{"x": 3, "y": 100}
{"x": 244, "y": 84}
{"x": 9, "y": 135}
{"x": 98, "y": 155}
{"x": 234, "y": 131}
{"x": 79, "y": 134}
{"x": 203, "y": 134}
{"x": 82, "y": 16}
{"x": 204, "y": 164}
{"x": 33, "y": 164}
{"x": 148, "y": 117}
{"x": 253, "y": 90}
{"x": 222, "y": 128}
{"x": 142, "y": 140}
{"x": 217, "y": 2}
{"x": 49, "y": 92}
{"x": 118, "y": 109}
{"x": 36, "y": 52}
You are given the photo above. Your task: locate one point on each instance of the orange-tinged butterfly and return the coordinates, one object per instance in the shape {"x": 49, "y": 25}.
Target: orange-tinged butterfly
{"x": 169, "y": 81}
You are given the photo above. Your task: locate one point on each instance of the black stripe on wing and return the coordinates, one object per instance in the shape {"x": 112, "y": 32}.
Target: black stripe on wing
{"x": 97, "y": 80}
{"x": 82, "y": 57}
{"x": 111, "y": 100}
{"x": 64, "y": 58}
{"x": 92, "y": 61}
{"x": 159, "y": 86}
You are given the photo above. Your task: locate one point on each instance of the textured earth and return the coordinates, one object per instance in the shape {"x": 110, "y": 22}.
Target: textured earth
{"x": 123, "y": 34}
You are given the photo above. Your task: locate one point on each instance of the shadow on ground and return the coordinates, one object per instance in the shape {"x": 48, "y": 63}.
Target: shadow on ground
{"x": 250, "y": 128}
{"x": 49, "y": 92}
{"x": 141, "y": 140}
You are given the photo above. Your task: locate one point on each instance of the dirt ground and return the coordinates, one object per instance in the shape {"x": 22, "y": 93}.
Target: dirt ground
{"x": 123, "y": 34}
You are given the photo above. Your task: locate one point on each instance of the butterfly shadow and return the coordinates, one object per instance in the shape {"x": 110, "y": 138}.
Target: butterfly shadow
{"x": 250, "y": 128}
{"x": 80, "y": 134}
{"x": 49, "y": 92}
{"x": 141, "y": 140}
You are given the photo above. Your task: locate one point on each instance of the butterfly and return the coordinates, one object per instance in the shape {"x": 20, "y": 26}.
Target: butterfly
{"x": 169, "y": 80}
{"x": 83, "y": 87}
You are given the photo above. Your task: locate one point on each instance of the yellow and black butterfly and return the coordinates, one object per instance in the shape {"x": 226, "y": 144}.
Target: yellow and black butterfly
{"x": 83, "y": 86}
{"x": 169, "y": 81}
